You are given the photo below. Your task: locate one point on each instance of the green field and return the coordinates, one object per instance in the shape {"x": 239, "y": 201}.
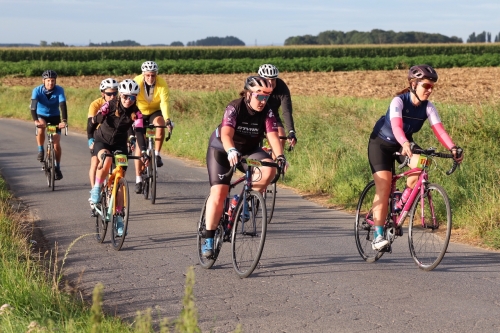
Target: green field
{"x": 28, "y": 62}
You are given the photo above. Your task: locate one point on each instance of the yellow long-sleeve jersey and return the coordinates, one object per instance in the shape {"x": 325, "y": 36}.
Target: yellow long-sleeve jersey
{"x": 159, "y": 101}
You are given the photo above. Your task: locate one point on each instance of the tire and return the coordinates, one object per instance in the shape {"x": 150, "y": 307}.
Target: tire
{"x": 145, "y": 183}
{"x": 101, "y": 225}
{"x": 363, "y": 231}
{"x": 270, "y": 198}
{"x": 116, "y": 240}
{"x": 50, "y": 171}
{"x": 200, "y": 240}
{"x": 428, "y": 240}
{"x": 248, "y": 237}
{"x": 152, "y": 177}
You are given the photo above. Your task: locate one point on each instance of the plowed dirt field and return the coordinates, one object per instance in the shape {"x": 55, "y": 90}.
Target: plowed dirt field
{"x": 459, "y": 85}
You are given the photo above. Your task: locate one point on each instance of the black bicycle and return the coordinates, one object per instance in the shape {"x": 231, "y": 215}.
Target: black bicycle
{"x": 149, "y": 172}
{"x": 48, "y": 163}
{"x": 245, "y": 226}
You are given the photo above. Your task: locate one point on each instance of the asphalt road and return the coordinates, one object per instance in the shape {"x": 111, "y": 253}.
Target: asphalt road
{"x": 311, "y": 277}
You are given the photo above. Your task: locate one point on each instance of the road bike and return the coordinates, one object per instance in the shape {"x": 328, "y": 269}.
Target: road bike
{"x": 245, "y": 226}
{"x": 428, "y": 208}
{"x": 48, "y": 163}
{"x": 114, "y": 192}
{"x": 272, "y": 189}
{"x": 149, "y": 172}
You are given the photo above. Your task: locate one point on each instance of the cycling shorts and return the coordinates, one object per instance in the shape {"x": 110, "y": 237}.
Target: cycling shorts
{"x": 53, "y": 120}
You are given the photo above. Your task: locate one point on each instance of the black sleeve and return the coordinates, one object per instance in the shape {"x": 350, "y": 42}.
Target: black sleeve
{"x": 64, "y": 111}
{"x": 130, "y": 131}
{"x": 98, "y": 118}
{"x": 286, "y": 107}
{"x": 140, "y": 138}
{"x": 91, "y": 126}
{"x": 33, "y": 105}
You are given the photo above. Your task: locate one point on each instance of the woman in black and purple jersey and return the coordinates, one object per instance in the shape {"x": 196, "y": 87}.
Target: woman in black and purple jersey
{"x": 245, "y": 122}
{"x": 393, "y": 132}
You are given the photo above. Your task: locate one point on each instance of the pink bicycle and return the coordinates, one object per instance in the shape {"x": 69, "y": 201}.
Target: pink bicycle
{"x": 428, "y": 209}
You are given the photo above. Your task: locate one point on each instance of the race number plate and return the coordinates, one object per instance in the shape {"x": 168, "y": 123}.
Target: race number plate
{"x": 253, "y": 163}
{"x": 423, "y": 162}
{"x": 150, "y": 132}
{"x": 121, "y": 160}
{"x": 51, "y": 129}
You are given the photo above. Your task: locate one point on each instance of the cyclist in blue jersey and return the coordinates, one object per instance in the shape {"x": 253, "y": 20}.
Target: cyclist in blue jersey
{"x": 393, "y": 133}
{"x": 47, "y": 103}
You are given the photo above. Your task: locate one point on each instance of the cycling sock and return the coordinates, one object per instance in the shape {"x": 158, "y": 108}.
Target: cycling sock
{"x": 157, "y": 153}
{"x": 57, "y": 164}
{"x": 40, "y": 148}
{"x": 138, "y": 179}
{"x": 98, "y": 182}
{"x": 210, "y": 234}
{"x": 379, "y": 231}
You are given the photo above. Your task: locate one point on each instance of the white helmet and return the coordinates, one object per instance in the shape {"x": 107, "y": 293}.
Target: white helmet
{"x": 128, "y": 87}
{"x": 149, "y": 66}
{"x": 108, "y": 83}
{"x": 268, "y": 71}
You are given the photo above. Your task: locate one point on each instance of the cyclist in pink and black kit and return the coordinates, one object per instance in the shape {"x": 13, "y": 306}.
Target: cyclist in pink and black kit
{"x": 394, "y": 133}
{"x": 245, "y": 122}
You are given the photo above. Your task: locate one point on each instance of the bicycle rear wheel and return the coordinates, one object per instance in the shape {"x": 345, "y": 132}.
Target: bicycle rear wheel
{"x": 249, "y": 234}
{"x": 200, "y": 240}
{"x": 116, "y": 240}
{"x": 430, "y": 227}
{"x": 363, "y": 230}
{"x": 152, "y": 176}
{"x": 50, "y": 171}
{"x": 101, "y": 225}
{"x": 270, "y": 198}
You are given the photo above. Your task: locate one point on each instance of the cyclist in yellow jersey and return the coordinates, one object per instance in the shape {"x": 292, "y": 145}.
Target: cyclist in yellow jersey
{"x": 109, "y": 91}
{"x": 153, "y": 101}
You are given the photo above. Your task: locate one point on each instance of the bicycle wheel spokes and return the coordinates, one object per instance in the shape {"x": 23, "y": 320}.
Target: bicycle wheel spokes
{"x": 270, "y": 198}
{"x": 363, "y": 230}
{"x": 116, "y": 239}
{"x": 152, "y": 176}
{"x": 249, "y": 234}
{"x": 429, "y": 230}
{"x": 50, "y": 167}
{"x": 101, "y": 225}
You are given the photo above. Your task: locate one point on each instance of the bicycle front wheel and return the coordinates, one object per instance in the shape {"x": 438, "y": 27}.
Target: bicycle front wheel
{"x": 200, "y": 239}
{"x": 152, "y": 177}
{"x": 430, "y": 227}
{"x": 101, "y": 225}
{"x": 270, "y": 198}
{"x": 249, "y": 233}
{"x": 363, "y": 226}
{"x": 51, "y": 172}
{"x": 116, "y": 239}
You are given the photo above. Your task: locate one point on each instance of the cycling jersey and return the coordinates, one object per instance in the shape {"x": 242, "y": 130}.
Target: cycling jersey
{"x": 115, "y": 123}
{"x": 281, "y": 97}
{"x": 249, "y": 126}
{"x": 403, "y": 118}
{"x": 48, "y": 103}
{"x": 95, "y": 106}
{"x": 157, "y": 99}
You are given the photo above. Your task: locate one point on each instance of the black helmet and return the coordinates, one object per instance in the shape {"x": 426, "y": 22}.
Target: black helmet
{"x": 49, "y": 74}
{"x": 257, "y": 83}
{"x": 420, "y": 72}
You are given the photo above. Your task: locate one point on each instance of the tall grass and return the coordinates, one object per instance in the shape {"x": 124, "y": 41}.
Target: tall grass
{"x": 331, "y": 155}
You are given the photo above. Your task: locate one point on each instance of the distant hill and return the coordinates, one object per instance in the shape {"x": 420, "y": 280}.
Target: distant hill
{"x": 117, "y": 43}
{"x": 375, "y": 36}
{"x": 218, "y": 41}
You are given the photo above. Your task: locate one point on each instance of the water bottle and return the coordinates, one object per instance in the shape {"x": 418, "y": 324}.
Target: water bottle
{"x": 396, "y": 197}
{"x": 233, "y": 204}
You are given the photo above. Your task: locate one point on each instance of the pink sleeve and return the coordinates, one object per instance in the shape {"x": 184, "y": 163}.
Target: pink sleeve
{"x": 442, "y": 135}
{"x": 397, "y": 129}
{"x": 230, "y": 117}
{"x": 138, "y": 123}
{"x": 271, "y": 123}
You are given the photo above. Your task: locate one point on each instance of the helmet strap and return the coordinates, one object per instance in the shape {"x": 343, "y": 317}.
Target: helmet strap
{"x": 415, "y": 93}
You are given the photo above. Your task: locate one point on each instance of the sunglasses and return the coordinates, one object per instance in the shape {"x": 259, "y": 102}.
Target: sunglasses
{"x": 131, "y": 98}
{"x": 426, "y": 85}
{"x": 261, "y": 98}
{"x": 111, "y": 93}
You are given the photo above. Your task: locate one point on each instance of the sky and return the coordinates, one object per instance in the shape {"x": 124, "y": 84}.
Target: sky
{"x": 78, "y": 22}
